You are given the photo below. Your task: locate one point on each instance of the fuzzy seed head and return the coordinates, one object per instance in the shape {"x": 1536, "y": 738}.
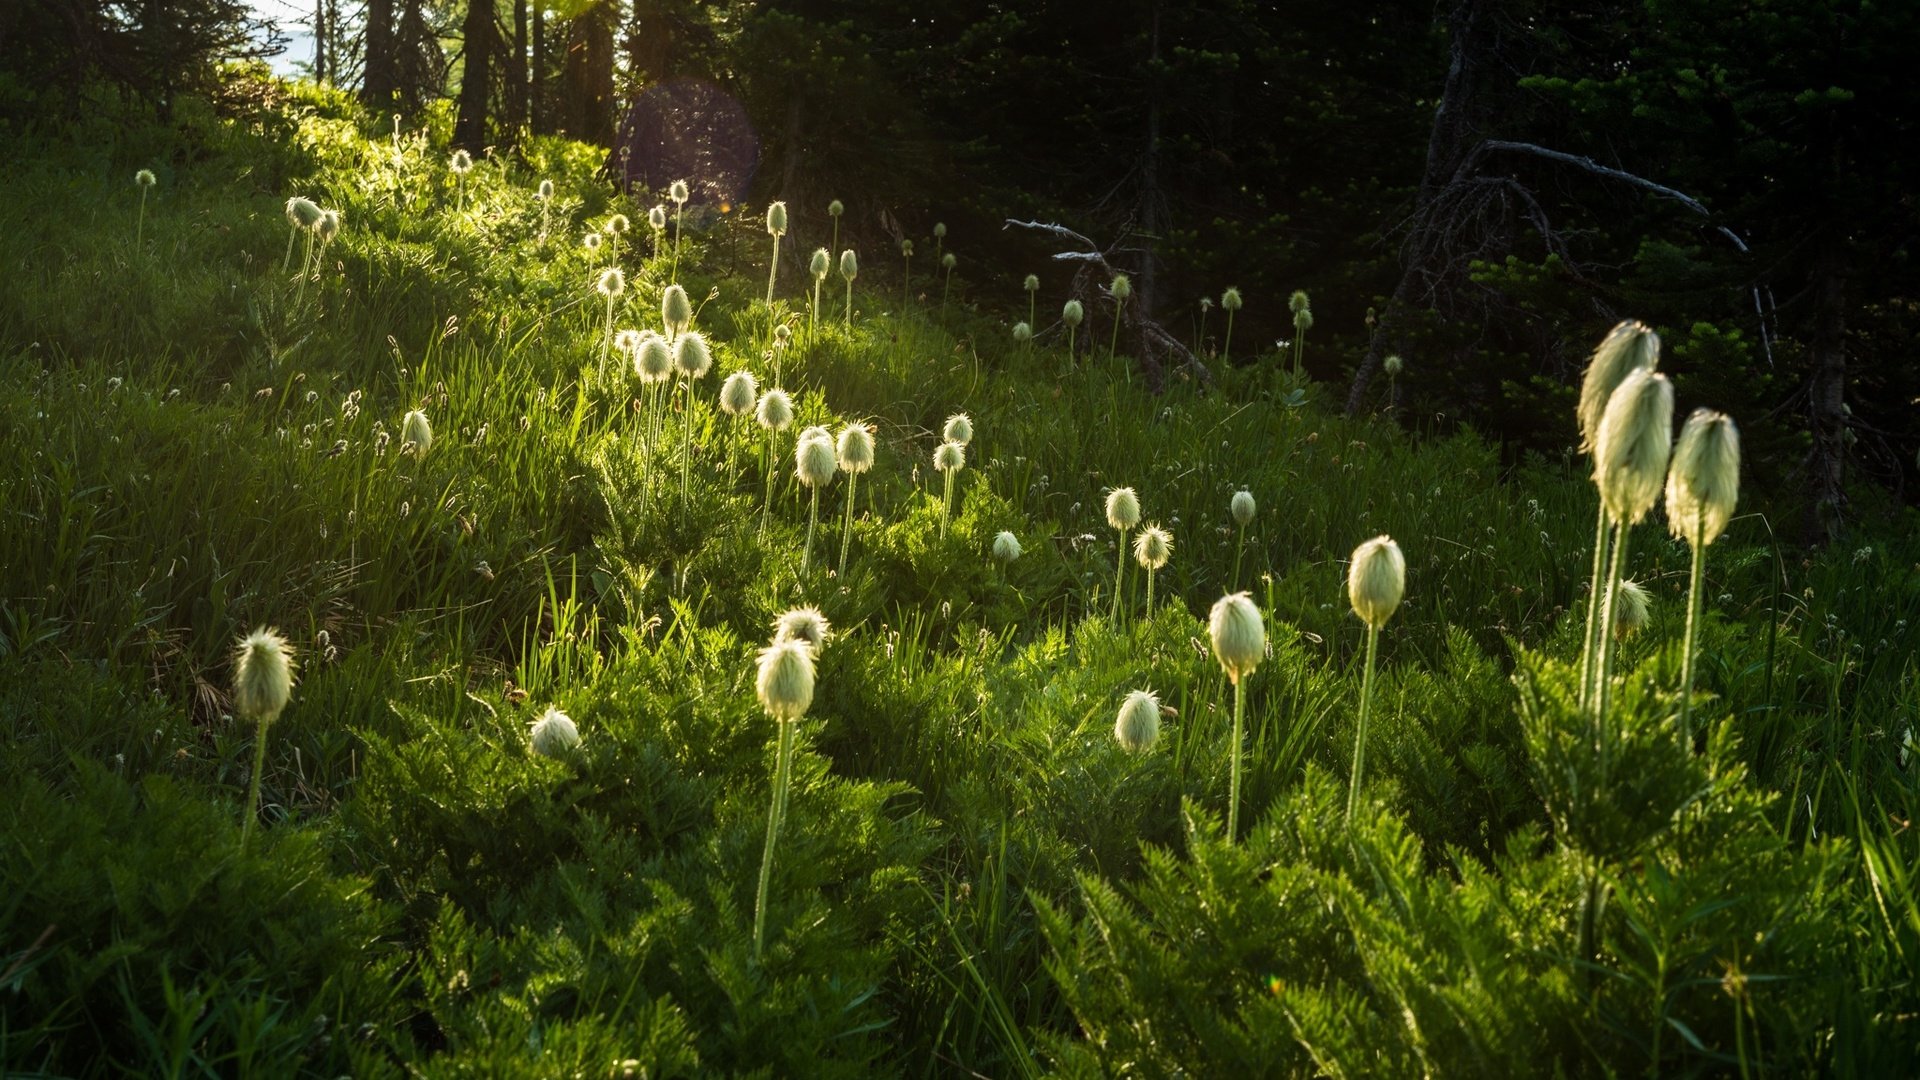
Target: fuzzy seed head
{"x": 144, "y": 178}
{"x": 554, "y": 734}
{"x": 1377, "y": 580}
{"x": 939, "y": 230}
{"x": 676, "y": 309}
{"x": 775, "y": 410}
{"x": 462, "y": 162}
{"x": 1033, "y": 283}
{"x": 1122, "y": 286}
{"x": 777, "y": 218}
{"x": 416, "y": 432}
{"x": 328, "y": 226}
{"x": 1230, "y": 300}
{"x": 591, "y": 241}
{"x": 855, "y": 448}
{"x": 545, "y": 192}
{"x": 820, "y": 264}
{"x": 814, "y": 461}
{"x": 611, "y": 282}
{"x": 817, "y": 431}
{"x": 1006, "y": 547}
{"x": 1631, "y": 449}
{"x": 677, "y": 191}
{"x": 947, "y": 261}
{"x": 1239, "y": 635}
{"x": 1632, "y": 610}
{"x": 1123, "y": 508}
{"x": 781, "y": 335}
{"x": 263, "y": 671}
{"x": 906, "y": 248}
{"x": 738, "y": 393}
{"x": 849, "y": 264}
{"x": 805, "y": 625}
{"x": 836, "y": 208}
{"x": 1703, "y": 484}
{"x": 1138, "y": 725}
{"x": 950, "y": 457}
{"x": 959, "y": 429}
{"x": 617, "y": 224}
{"x": 657, "y": 217}
{"x": 1242, "y": 507}
{"x": 653, "y": 358}
{"x": 627, "y": 341}
{"x": 1298, "y": 302}
{"x": 1022, "y": 332}
{"x": 1629, "y": 346}
{"x": 691, "y": 356}
{"x": 785, "y": 682}
{"x": 303, "y": 213}
{"x": 1153, "y": 547}
{"x": 1303, "y": 320}
{"x": 1072, "y": 313}
{"x": 1392, "y": 364}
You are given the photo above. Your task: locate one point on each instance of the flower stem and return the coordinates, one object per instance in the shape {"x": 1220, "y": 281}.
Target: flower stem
{"x": 849, "y": 319}
{"x": 679, "y": 208}
{"x": 140, "y": 225}
{"x": 1233, "y": 774}
{"x": 1360, "y": 734}
{"x": 766, "y": 508}
{"x": 1694, "y": 580}
{"x": 253, "y": 785}
{"x": 776, "y": 813}
{"x": 1149, "y": 592}
{"x": 946, "y": 505}
{"x": 1113, "y": 345}
{"x": 846, "y": 534}
{"x": 686, "y": 453}
{"x": 806, "y": 555}
{"x": 1226, "y": 352}
{"x": 1600, "y": 540}
{"x": 773, "y": 268}
{"x": 1603, "y": 666}
{"x": 1119, "y": 577}
{"x": 1240, "y": 548}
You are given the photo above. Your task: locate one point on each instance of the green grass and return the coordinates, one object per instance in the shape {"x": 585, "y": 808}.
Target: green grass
{"x": 972, "y": 876}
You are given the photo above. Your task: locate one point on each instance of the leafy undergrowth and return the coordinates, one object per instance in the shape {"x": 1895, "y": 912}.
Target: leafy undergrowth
{"x": 973, "y": 877}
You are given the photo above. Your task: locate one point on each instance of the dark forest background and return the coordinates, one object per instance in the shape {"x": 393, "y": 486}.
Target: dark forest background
{"x": 1481, "y": 187}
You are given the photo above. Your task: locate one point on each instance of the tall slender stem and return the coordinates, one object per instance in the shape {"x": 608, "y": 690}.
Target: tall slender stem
{"x": 946, "y": 504}
{"x": 846, "y": 534}
{"x": 1149, "y": 592}
{"x": 776, "y": 813}
{"x": 1603, "y": 668}
{"x": 1119, "y": 577}
{"x": 849, "y": 319}
{"x": 1113, "y": 345}
{"x": 1600, "y": 538}
{"x": 806, "y": 555}
{"x": 140, "y": 225}
{"x": 286, "y": 264}
{"x": 906, "y": 286}
{"x": 1233, "y": 770}
{"x": 253, "y": 785}
{"x": 813, "y": 313}
{"x": 944, "y": 290}
{"x": 766, "y": 508}
{"x": 1240, "y": 548}
{"x": 1360, "y": 734}
{"x": 773, "y": 269}
{"x": 679, "y": 208}
{"x": 1071, "y": 333}
{"x": 1694, "y": 580}
{"x": 686, "y": 452}
{"x": 606, "y": 342}
{"x": 1226, "y": 351}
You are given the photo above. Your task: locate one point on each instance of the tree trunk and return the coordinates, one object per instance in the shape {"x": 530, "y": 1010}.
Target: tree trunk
{"x": 537, "y": 81}
{"x": 587, "y": 112}
{"x": 1448, "y": 144}
{"x": 1827, "y": 387}
{"x": 476, "y": 77}
{"x": 320, "y": 42}
{"x": 377, "y": 83}
{"x": 516, "y": 71}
